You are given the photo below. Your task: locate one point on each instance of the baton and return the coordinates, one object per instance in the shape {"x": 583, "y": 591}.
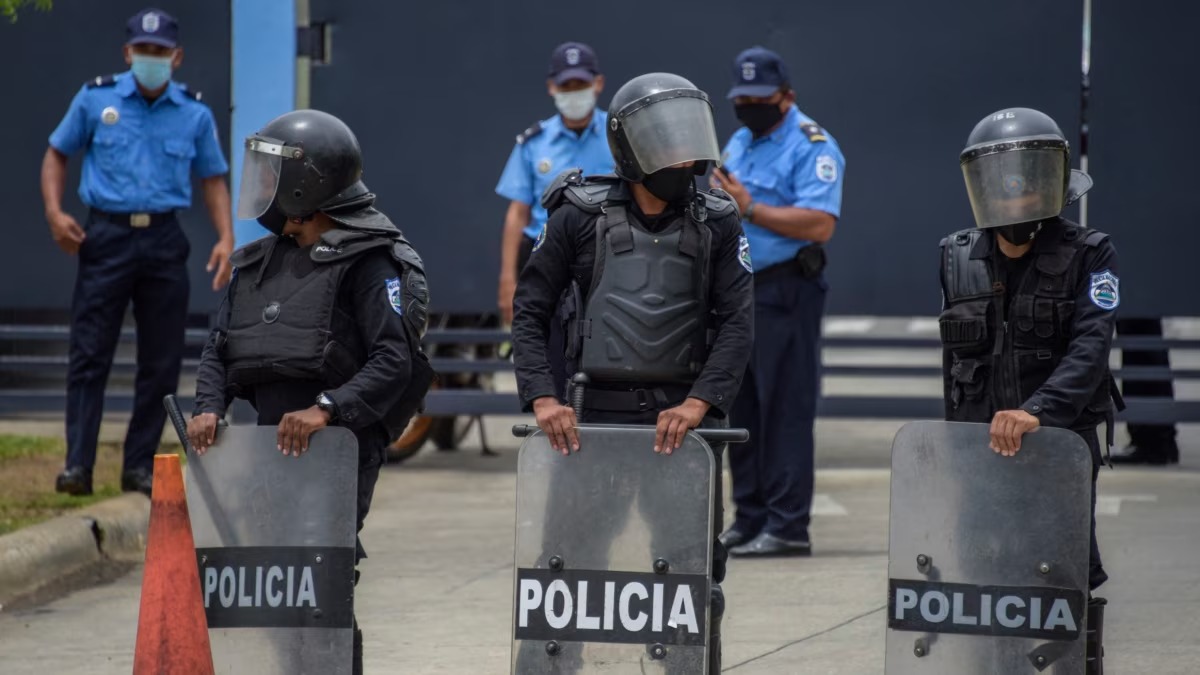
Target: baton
{"x": 224, "y": 531}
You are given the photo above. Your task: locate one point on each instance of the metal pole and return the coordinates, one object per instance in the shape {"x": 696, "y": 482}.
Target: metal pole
{"x": 1085, "y": 89}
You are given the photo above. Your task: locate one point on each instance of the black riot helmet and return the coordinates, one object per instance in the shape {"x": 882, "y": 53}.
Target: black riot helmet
{"x": 1017, "y": 167}
{"x": 658, "y": 120}
{"x": 301, "y": 162}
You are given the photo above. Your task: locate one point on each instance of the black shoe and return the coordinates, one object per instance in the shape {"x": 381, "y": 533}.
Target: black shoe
{"x": 76, "y": 481}
{"x": 137, "y": 480}
{"x": 734, "y": 537}
{"x": 765, "y": 545}
{"x": 1167, "y": 453}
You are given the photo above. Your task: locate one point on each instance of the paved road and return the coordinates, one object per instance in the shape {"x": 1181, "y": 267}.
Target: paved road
{"x": 436, "y": 592}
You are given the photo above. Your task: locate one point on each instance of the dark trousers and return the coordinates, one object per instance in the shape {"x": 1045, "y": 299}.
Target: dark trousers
{"x": 1151, "y": 438}
{"x": 119, "y": 264}
{"x": 773, "y": 472}
{"x": 556, "y": 344}
{"x": 1096, "y": 573}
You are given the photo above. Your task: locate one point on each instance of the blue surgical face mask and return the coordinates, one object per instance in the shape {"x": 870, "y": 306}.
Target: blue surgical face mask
{"x": 151, "y": 72}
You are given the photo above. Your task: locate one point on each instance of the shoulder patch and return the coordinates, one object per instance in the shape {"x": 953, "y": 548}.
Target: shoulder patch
{"x": 541, "y": 238}
{"x": 815, "y": 133}
{"x": 102, "y": 81}
{"x": 827, "y": 169}
{"x": 393, "y": 295}
{"x": 531, "y": 132}
{"x": 744, "y": 253}
{"x": 1105, "y": 290}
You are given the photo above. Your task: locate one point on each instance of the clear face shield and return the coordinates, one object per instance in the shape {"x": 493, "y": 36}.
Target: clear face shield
{"x": 1016, "y": 182}
{"x": 671, "y": 128}
{"x": 260, "y": 175}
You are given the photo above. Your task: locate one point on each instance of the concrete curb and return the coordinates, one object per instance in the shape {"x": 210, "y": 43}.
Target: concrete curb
{"x": 37, "y": 556}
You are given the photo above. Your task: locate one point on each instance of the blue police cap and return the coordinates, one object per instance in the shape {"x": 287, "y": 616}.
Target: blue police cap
{"x": 152, "y": 26}
{"x": 573, "y": 61}
{"x": 758, "y": 72}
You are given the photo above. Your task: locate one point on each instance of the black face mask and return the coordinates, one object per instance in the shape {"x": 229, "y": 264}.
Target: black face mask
{"x": 1021, "y": 233}
{"x": 671, "y": 184}
{"x": 758, "y": 117}
{"x": 273, "y": 219}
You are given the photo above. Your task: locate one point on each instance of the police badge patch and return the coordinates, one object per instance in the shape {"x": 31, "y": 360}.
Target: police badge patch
{"x": 1105, "y": 290}
{"x": 826, "y": 169}
{"x": 393, "y": 295}
{"x": 744, "y": 253}
{"x": 541, "y": 238}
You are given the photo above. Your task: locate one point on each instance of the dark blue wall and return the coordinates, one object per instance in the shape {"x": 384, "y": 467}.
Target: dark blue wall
{"x": 44, "y": 59}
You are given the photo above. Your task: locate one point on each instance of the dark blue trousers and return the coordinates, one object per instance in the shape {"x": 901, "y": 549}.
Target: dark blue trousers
{"x": 119, "y": 265}
{"x": 773, "y": 473}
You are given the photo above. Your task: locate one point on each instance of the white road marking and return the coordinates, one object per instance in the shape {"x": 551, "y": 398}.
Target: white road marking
{"x": 824, "y": 505}
{"x": 1110, "y": 505}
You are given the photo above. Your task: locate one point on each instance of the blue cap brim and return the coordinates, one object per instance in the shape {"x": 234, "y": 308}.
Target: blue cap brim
{"x": 755, "y": 90}
{"x": 574, "y": 74}
{"x": 153, "y": 40}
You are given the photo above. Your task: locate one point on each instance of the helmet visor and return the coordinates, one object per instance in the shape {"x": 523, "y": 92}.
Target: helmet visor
{"x": 1018, "y": 185}
{"x": 260, "y": 176}
{"x": 671, "y": 131}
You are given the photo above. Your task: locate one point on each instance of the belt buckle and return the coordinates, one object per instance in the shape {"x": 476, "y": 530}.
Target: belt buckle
{"x": 643, "y": 399}
{"x": 139, "y": 220}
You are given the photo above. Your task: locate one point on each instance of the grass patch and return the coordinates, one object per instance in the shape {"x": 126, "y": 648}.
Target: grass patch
{"x": 28, "y": 467}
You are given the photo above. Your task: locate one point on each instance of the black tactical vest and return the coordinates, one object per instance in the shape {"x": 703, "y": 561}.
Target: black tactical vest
{"x": 285, "y": 326}
{"x": 645, "y": 318}
{"x": 998, "y": 360}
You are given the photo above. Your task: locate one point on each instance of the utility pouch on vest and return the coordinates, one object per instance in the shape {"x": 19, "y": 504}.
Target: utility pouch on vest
{"x": 570, "y": 313}
{"x": 969, "y": 377}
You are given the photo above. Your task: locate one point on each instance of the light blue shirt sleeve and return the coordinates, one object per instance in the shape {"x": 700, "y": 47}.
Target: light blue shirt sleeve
{"x": 74, "y": 131}
{"x": 516, "y": 183}
{"x": 209, "y": 160}
{"x": 817, "y": 179}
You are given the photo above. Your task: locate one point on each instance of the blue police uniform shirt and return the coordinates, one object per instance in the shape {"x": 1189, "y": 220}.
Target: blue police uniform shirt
{"x": 139, "y": 156}
{"x": 786, "y": 168}
{"x": 537, "y": 160}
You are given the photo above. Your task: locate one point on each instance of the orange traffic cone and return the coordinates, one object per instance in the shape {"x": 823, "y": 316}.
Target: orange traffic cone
{"x": 172, "y": 637}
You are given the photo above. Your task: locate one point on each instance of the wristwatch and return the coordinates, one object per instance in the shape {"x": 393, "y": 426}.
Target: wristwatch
{"x": 325, "y": 403}
{"x": 749, "y": 215}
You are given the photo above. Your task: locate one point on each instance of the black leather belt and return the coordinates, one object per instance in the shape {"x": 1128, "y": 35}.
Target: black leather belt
{"x": 612, "y": 400}
{"x": 138, "y": 220}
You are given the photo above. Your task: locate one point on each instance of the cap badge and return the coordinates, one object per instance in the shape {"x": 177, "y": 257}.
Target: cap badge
{"x": 572, "y": 57}
{"x": 748, "y": 71}
{"x": 150, "y": 22}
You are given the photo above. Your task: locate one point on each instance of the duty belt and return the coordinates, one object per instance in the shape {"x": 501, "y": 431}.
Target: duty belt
{"x": 137, "y": 220}
{"x": 613, "y": 400}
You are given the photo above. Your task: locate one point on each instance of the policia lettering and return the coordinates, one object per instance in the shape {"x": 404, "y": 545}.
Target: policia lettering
{"x": 277, "y": 586}
{"x": 1036, "y": 612}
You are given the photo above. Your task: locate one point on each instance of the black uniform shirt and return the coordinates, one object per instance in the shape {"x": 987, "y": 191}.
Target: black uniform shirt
{"x": 569, "y": 250}
{"x": 364, "y": 306}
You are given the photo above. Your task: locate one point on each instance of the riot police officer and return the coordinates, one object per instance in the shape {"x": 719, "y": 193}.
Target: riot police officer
{"x": 644, "y": 259}
{"x": 323, "y": 320}
{"x": 1029, "y": 303}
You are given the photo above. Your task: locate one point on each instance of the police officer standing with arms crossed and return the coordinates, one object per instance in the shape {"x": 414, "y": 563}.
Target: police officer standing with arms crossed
{"x": 323, "y": 321}
{"x": 144, "y": 136}
{"x": 574, "y": 138}
{"x": 1029, "y": 300}
{"x": 785, "y": 173}
{"x": 627, "y": 248}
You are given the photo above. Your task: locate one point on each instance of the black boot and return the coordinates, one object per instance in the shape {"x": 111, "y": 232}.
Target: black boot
{"x": 75, "y": 481}
{"x": 716, "y": 611}
{"x": 1095, "y": 636}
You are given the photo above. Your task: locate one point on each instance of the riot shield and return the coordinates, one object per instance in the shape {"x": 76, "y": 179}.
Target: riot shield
{"x": 613, "y": 555}
{"x": 275, "y": 543}
{"x": 987, "y": 555}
